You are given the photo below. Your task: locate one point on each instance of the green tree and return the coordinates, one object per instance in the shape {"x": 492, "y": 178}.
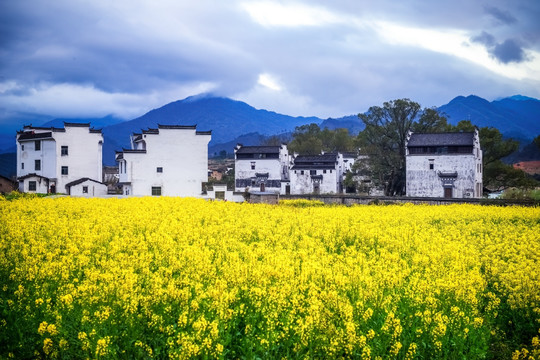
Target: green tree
{"x": 496, "y": 174}
{"x": 306, "y": 140}
{"x": 311, "y": 140}
{"x": 385, "y": 135}
{"x": 537, "y": 141}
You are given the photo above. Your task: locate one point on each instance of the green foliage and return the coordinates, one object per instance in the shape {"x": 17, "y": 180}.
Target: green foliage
{"x": 537, "y": 141}
{"x": 385, "y": 136}
{"x": 311, "y": 140}
{"x": 15, "y": 195}
{"x": 497, "y": 175}
{"x": 521, "y": 194}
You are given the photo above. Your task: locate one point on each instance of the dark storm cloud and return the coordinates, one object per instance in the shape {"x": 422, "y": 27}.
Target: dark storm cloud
{"x": 503, "y": 16}
{"x": 508, "y": 51}
{"x": 130, "y": 54}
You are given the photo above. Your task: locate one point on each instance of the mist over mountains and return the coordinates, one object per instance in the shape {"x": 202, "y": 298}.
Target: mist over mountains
{"x": 234, "y": 121}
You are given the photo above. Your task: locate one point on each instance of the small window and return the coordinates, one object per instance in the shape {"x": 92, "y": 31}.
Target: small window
{"x": 324, "y": 171}
{"x": 253, "y": 165}
{"x": 301, "y": 172}
{"x": 22, "y": 166}
{"x": 156, "y": 190}
{"x": 32, "y": 186}
{"x": 37, "y": 165}
{"x": 431, "y": 164}
{"x": 312, "y": 172}
{"x": 64, "y": 150}
{"x": 85, "y": 189}
{"x": 65, "y": 170}
{"x": 37, "y": 145}
{"x": 159, "y": 169}
{"x": 22, "y": 147}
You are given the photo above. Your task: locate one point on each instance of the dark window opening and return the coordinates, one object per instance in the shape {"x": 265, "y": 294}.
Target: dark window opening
{"x": 156, "y": 190}
{"x": 64, "y": 150}
{"x": 32, "y": 186}
{"x": 65, "y": 170}
{"x": 85, "y": 189}
{"x": 37, "y": 165}
{"x": 159, "y": 169}
{"x": 312, "y": 172}
{"x": 37, "y": 145}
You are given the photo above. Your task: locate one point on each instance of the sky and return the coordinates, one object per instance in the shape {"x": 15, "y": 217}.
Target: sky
{"x": 92, "y": 58}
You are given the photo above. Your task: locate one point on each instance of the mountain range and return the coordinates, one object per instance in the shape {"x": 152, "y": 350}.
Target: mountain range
{"x": 234, "y": 121}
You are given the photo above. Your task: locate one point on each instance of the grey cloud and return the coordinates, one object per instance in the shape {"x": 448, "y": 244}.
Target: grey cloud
{"x": 506, "y": 52}
{"x": 509, "y": 51}
{"x": 485, "y": 39}
{"x": 503, "y": 16}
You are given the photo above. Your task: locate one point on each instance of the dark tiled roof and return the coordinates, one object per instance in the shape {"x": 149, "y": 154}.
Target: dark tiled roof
{"x": 315, "y": 162}
{"x": 179, "y": 127}
{"x": 150, "y": 131}
{"x": 95, "y": 131}
{"x": 80, "y": 181}
{"x": 32, "y": 175}
{"x": 258, "y": 150}
{"x": 131, "y": 151}
{"x": 328, "y": 166}
{"x": 203, "y": 132}
{"x": 442, "y": 139}
{"x": 33, "y": 136}
{"x": 50, "y": 128}
{"x": 325, "y": 158}
{"x": 76, "y": 124}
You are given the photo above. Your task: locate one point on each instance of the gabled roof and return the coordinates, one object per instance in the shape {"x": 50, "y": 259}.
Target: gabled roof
{"x": 32, "y": 175}
{"x": 442, "y": 139}
{"x": 325, "y": 161}
{"x": 259, "y": 150}
{"x": 34, "y": 136}
{"x": 80, "y": 181}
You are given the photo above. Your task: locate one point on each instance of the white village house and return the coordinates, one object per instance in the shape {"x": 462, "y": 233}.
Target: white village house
{"x": 317, "y": 174}
{"x": 444, "y": 165}
{"x": 52, "y": 160}
{"x": 262, "y": 168}
{"x": 171, "y": 160}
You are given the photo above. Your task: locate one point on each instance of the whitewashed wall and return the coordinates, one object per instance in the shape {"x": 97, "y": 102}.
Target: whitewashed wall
{"x": 181, "y": 153}
{"x": 94, "y": 189}
{"x": 303, "y": 184}
{"x": 84, "y": 157}
{"x": 423, "y": 182}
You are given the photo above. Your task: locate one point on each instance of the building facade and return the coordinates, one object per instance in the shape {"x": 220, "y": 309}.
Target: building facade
{"x": 445, "y": 165}
{"x": 50, "y": 158}
{"x": 262, "y": 168}
{"x": 317, "y": 174}
{"x": 171, "y": 160}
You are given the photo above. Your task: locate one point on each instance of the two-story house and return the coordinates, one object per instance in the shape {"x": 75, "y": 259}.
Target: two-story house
{"x": 317, "y": 174}
{"x": 171, "y": 160}
{"x": 262, "y": 168}
{"x": 50, "y": 160}
{"x": 444, "y": 165}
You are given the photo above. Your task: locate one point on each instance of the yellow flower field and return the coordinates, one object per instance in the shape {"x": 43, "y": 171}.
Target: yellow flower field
{"x": 187, "y": 278}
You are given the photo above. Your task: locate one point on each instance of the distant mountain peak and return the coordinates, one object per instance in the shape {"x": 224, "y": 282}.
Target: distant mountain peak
{"x": 521, "y": 98}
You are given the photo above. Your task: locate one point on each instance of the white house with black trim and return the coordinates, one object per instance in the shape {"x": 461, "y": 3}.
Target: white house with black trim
{"x": 49, "y": 158}
{"x": 445, "y": 165}
{"x": 262, "y": 168}
{"x": 171, "y": 160}
{"x": 317, "y": 174}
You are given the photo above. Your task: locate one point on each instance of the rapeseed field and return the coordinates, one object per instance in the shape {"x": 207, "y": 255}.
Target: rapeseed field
{"x": 179, "y": 278}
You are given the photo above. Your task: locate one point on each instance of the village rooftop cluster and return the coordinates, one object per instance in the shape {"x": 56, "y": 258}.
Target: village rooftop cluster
{"x": 172, "y": 160}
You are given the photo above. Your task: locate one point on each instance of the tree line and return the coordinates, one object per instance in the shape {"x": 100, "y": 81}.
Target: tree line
{"x": 383, "y": 144}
